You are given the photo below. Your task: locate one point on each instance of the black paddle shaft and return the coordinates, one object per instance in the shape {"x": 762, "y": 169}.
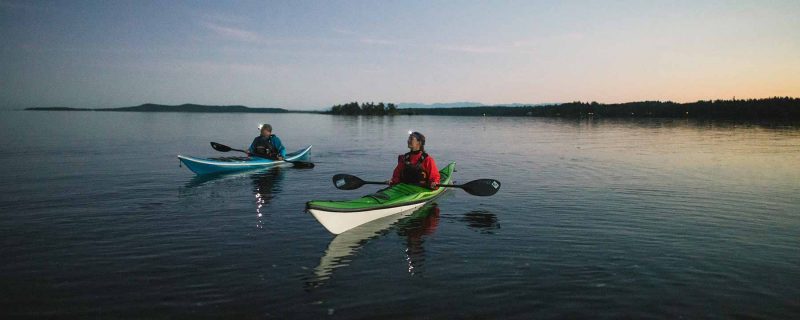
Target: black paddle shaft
{"x": 480, "y": 187}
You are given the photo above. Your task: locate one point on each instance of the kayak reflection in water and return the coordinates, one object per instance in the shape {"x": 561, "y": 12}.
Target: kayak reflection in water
{"x": 267, "y": 145}
{"x": 414, "y": 229}
{"x": 416, "y": 166}
{"x": 264, "y": 185}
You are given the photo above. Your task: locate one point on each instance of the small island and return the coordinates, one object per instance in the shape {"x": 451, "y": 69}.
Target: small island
{"x": 367, "y": 109}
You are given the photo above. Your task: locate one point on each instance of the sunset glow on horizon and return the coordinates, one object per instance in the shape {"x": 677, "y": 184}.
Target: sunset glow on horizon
{"x": 311, "y": 55}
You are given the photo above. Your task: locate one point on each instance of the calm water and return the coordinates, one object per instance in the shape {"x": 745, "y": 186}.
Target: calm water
{"x": 608, "y": 219}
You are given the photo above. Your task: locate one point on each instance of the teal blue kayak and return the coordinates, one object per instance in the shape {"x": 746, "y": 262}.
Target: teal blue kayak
{"x": 230, "y": 164}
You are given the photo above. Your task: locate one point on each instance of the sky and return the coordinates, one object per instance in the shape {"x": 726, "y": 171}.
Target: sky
{"x": 314, "y": 54}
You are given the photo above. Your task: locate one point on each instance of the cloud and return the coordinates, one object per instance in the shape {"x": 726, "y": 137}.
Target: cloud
{"x": 378, "y": 41}
{"x": 526, "y": 47}
{"x": 473, "y": 49}
{"x": 574, "y": 36}
{"x": 223, "y": 18}
{"x": 343, "y": 31}
{"x": 523, "y": 44}
{"x": 365, "y": 39}
{"x": 235, "y": 33}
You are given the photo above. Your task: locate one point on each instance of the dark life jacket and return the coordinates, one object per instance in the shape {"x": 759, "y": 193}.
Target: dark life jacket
{"x": 413, "y": 173}
{"x": 265, "y": 148}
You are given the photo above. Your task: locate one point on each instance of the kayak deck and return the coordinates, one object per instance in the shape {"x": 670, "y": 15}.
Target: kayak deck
{"x": 340, "y": 216}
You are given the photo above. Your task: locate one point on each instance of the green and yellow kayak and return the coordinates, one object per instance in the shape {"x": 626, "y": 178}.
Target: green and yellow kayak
{"x": 340, "y": 216}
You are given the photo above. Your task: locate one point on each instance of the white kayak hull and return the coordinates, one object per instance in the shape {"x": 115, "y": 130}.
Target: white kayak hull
{"x": 338, "y": 222}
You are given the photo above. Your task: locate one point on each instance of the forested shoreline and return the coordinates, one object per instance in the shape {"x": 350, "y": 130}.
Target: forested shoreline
{"x": 784, "y": 108}
{"x": 769, "y": 108}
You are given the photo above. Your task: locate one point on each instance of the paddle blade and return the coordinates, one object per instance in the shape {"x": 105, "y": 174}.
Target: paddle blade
{"x": 302, "y": 164}
{"x": 481, "y": 187}
{"x": 220, "y": 147}
{"x": 347, "y": 182}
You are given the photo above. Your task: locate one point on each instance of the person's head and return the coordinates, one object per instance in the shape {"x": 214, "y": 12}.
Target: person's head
{"x": 416, "y": 141}
{"x": 266, "y": 129}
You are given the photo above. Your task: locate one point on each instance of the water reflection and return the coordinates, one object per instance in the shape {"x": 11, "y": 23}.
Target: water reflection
{"x": 668, "y": 123}
{"x": 481, "y": 221}
{"x": 414, "y": 226}
{"x": 265, "y": 185}
{"x": 214, "y": 178}
{"x": 414, "y": 229}
{"x": 201, "y": 180}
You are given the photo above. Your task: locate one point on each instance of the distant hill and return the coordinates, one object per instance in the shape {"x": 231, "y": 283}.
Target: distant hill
{"x": 527, "y": 104}
{"x": 151, "y": 107}
{"x": 58, "y": 109}
{"x": 411, "y": 105}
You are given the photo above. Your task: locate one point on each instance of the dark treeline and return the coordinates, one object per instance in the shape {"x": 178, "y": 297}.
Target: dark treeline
{"x": 58, "y": 109}
{"x": 770, "y": 108}
{"x": 188, "y": 107}
{"x": 151, "y": 107}
{"x": 369, "y": 109}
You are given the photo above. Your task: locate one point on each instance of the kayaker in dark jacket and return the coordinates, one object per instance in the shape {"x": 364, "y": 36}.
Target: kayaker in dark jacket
{"x": 416, "y": 166}
{"x": 267, "y": 145}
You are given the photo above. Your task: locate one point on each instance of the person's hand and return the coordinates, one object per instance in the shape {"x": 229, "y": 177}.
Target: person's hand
{"x": 280, "y": 158}
{"x": 434, "y": 185}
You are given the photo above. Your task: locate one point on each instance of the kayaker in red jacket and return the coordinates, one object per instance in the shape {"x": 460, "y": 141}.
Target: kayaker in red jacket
{"x": 416, "y": 166}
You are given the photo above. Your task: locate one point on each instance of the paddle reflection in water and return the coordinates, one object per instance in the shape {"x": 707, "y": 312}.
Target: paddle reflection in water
{"x": 415, "y": 226}
{"x": 265, "y": 184}
{"x": 481, "y": 220}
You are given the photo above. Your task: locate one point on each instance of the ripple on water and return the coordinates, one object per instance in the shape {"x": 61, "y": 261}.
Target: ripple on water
{"x": 597, "y": 218}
